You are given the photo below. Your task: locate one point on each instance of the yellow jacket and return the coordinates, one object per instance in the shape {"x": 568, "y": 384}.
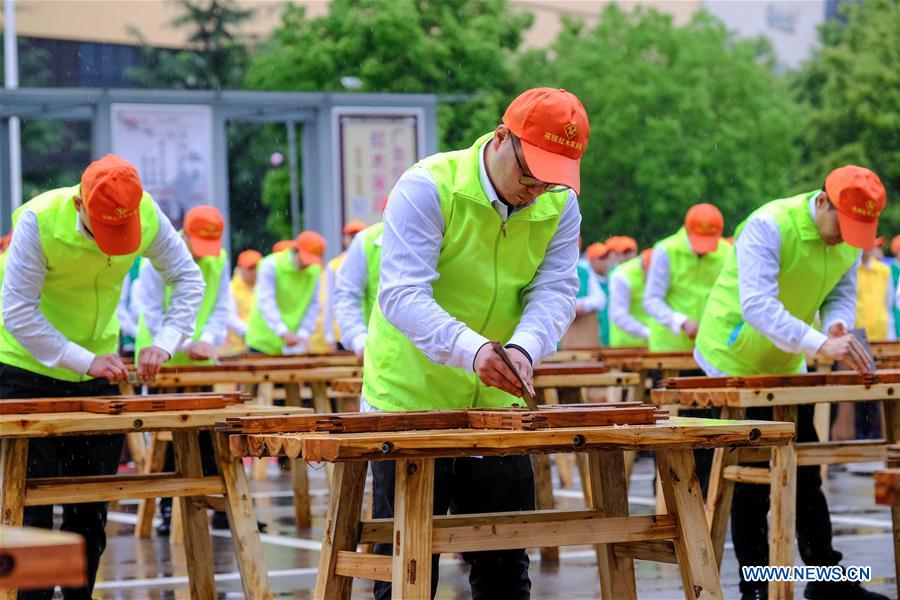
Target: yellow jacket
{"x": 874, "y": 299}
{"x": 243, "y": 299}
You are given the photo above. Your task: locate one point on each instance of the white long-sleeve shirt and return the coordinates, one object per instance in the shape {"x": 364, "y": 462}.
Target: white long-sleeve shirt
{"x": 24, "y": 280}
{"x": 328, "y": 308}
{"x": 352, "y": 281}
{"x": 413, "y": 233}
{"x": 758, "y": 249}
{"x": 620, "y": 307}
{"x": 153, "y": 289}
{"x": 655, "y": 290}
{"x": 268, "y": 305}
{"x": 595, "y": 299}
{"x": 235, "y": 324}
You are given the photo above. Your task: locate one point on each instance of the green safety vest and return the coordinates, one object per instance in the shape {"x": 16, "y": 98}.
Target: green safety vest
{"x": 690, "y": 279}
{"x": 633, "y": 272}
{"x": 294, "y": 290}
{"x": 82, "y": 286}
{"x": 808, "y": 270}
{"x": 483, "y": 269}
{"x": 603, "y": 315}
{"x": 211, "y": 268}
{"x": 583, "y": 275}
{"x": 372, "y": 252}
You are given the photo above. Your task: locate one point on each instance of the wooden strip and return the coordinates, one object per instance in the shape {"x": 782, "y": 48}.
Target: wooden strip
{"x": 155, "y": 460}
{"x": 543, "y": 498}
{"x": 609, "y": 496}
{"x": 352, "y": 385}
{"x": 586, "y": 380}
{"x": 738, "y": 474}
{"x": 783, "y": 517}
{"x": 657, "y": 551}
{"x": 197, "y": 543}
{"x": 33, "y": 558}
{"x": 101, "y": 488}
{"x": 13, "y": 466}
{"x": 300, "y": 487}
{"x": 364, "y": 566}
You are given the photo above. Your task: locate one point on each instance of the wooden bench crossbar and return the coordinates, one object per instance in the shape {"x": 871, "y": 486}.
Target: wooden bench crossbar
{"x": 114, "y": 405}
{"x": 40, "y": 492}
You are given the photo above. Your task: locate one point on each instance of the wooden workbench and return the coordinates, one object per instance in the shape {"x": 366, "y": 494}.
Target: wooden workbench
{"x": 782, "y": 476}
{"x": 681, "y": 537}
{"x": 32, "y": 558}
{"x": 228, "y": 491}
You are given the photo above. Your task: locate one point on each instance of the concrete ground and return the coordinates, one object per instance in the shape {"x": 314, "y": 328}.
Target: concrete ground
{"x": 154, "y": 569}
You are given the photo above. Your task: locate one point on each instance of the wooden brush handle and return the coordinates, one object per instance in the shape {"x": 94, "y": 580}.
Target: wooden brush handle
{"x": 526, "y": 392}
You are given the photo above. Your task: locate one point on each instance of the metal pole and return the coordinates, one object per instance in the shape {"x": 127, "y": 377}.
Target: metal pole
{"x": 292, "y": 170}
{"x": 11, "y": 82}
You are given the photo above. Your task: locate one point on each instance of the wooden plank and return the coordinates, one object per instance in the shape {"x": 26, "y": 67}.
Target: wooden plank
{"x": 13, "y": 466}
{"x": 260, "y": 374}
{"x": 586, "y": 381}
{"x": 300, "y": 487}
{"x": 751, "y": 398}
{"x": 693, "y": 546}
{"x": 351, "y": 385}
{"x": 413, "y": 506}
{"x": 32, "y": 558}
{"x": 101, "y": 488}
{"x": 783, "y": 518}
{"x": 680, "y": 432}
{"x": 363, "y": 565}
{"x": 609, "y": 496}
{"x": 155, "y": 459}
{"x": 341, "y": 529}
{"x": 242, "y": 519}
{"x": 738, "y": 474}
{"x": 78, "y": 423}
{"x": 197, "y": 543}
{"x": 892, "y": 435}
{"x": 720, "y": 490}
{"x": 656, "y": 551}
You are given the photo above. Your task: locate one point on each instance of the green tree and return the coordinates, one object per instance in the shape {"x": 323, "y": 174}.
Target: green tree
{"x": 679, "y": 115}
{"x": 216, "y": 58}
{"x": 460, "y": 47}
{"x": 850, "y": 91}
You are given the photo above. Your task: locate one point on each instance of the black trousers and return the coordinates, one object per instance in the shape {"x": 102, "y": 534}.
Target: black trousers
{"x": 465, "y": 486}
{"x": 67, "y": 457}
{"x": 749, "y": 529}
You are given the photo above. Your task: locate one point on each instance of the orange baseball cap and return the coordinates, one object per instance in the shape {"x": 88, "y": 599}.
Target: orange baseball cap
{"x": 554, "y": 130}
{"x": 596, "y": 250}
{"x": 203, "y": 225}
{"x": 111, "y": 191}
{"x": 859, "y": 197}
{"x": 282, "y": 245}
{"x": 895, "y": 245}
{"x": 704, "y": 224}
{"x": 621, "y": 244}
{"x": 5, "y": 241}
{"x": 646, "y": 255}
{"x": 248, "y": 259}
{"x": 311, "y": 247}
{"x": 354, "y": 227}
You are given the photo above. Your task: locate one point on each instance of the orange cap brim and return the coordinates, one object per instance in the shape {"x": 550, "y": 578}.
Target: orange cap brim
{"x": 205, "y": 246}
{"x": 704, "y": 244}
{"x": 117, "y": 240}
{"x": 309, "y": 258}
{"x": 552, "y": 168}
{"x": 859, "y": 234}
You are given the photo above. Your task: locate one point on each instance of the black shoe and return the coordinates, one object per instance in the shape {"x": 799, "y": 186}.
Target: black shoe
{"x": 165, "y": 527}
{"x": 839, "y": 590}
{"x": 756, "y": 594}
{"x": 220, "y": 521}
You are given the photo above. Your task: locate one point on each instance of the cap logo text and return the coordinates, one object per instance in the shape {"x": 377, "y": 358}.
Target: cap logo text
{"x": 556, "y": 139}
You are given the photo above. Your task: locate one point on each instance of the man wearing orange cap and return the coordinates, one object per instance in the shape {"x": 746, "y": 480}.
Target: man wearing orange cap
{"x": 202, "y": 233}
{"x": 68, "y": 258}
{"x": 621, "y": 248}
{"x": 242, "y": 285}
{"x": 792, "y": 258}
{"x": 286, "y": 301}
{"x": 684, "y": 267}
{"x": 328, "y": 332}
{"x": 282, "y": 245}
{"x": 629, "y": 322}
{"x": 479, "y": 244}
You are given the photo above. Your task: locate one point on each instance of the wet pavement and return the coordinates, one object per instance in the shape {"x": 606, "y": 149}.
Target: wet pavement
{"x": 153, "y": 568}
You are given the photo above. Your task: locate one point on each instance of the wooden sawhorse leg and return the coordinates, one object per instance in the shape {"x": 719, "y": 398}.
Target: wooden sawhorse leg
{"x": 13, "y": 470}
{"x": 322, "y": 405}
{"x": 155, "y": 458}
{"x": 299, "y": 474}
{"x": 242, "y": 520}
{"x": 264, "y": 393}
{"x": 413, "y": 523}
{"x": 543, "y": 497}
{"x": 721, "y": 490}
{"x": 341, "y": 528}
{"x": 892, "y": 435}
{"x": 549, "y": 396}
{"x": 608, "y": 494}
{"x": 693, "y": 547}
{"x": 783, "y": 506}
{"x": 197, "y": 542}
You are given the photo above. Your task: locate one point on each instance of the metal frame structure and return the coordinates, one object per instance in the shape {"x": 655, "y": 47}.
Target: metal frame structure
{"x": 316, "y": 113}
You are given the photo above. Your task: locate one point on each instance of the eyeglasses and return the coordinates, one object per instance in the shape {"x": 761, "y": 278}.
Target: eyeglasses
{"x": 529, "y": 181}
